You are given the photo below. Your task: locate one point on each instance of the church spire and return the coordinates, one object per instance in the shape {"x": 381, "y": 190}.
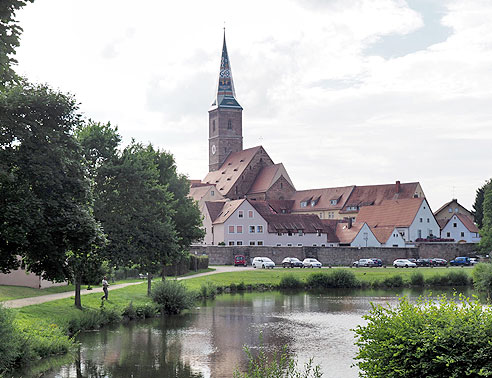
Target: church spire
{"x": 226, "y": 96}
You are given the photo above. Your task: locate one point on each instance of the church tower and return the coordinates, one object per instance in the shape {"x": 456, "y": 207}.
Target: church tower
{"x": 225, "y": 122}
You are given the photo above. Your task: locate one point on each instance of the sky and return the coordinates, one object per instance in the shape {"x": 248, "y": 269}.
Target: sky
{"x": 342, "y": 92}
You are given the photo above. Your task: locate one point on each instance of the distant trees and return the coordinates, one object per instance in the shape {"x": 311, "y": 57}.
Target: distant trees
{"x": 486, "y": 230}
{"x": 478, "y": 205}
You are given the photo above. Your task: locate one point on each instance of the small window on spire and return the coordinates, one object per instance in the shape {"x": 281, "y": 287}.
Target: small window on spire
{"x": 213, "y": 125}
{"x": 229, "y": 125}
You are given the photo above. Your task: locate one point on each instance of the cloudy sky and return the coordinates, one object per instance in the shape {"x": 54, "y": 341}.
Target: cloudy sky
{"x": 342, "y": 92}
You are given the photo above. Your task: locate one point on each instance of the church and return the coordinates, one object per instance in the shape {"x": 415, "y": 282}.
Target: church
{"x": 247, "y": 181}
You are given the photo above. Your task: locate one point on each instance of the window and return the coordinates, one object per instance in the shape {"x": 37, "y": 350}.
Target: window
{"x": 239, "y": 229}
{"x": 318, "y": 232}
{"x": 259, "y": 229}
{"x": 251, "y": 229}
{"x": 260, "y": 242}
{"x": 428, "y": 220}
{"x": 212, "y": 193}
{"x": 420, "y": 233}
{"x": 323, "y": 245}
{"x": 279, "y": 245}
{"x": 421, "y": 220}
{"x": 315, "y": 245}
{"x": 450, "y": 210}
{"x": 333, "y": 202}
{"x": 289, "y": 233}
{"x": 239, "y": 242}
{"x": 281, "y": 185}
{"x": 289, "y": 245}
{"x": 462, "y": 234}
{"x": 213, "y": 125}
{"x": 229, "y": 125}
{"x": 252, "y": 242}
{"x": 448, "y": 234}
{"x": 279, "y": 234}
{"x": 303, "y": 203}
{"x": 231, "y": 243}
{"x": 320, "y": 215}
{"x": 455, "y": 224}
{"x": 299, "y": 245}
{"x": 231, "y": 229}
{"x": 456, "y": 210}
{"x": 313, "y": 203}
{"x": 240, "y": 214}
{"x": 250, "y": 214}
{"x": 299, "y": 232}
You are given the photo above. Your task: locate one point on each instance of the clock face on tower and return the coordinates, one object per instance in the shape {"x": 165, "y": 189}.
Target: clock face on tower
{"x": 213, "y": 149}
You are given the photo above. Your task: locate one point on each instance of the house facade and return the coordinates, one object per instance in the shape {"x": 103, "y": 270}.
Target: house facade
{"x": 460, "y": 228}
{"x": 449, "y": 209}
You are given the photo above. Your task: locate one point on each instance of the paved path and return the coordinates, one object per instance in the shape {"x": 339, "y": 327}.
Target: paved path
{"x": 15, "y": 303}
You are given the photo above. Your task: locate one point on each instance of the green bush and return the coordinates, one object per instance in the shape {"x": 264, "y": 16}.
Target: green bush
{"x": 417, "y": 279}
{"x": 482, "y": 277}
{"x": 172, "y": 297}
{"x": 208, "y": 290}
{"x": 433, "y": 339}
{"x": 12, "y": 341}
{"x": 289, "y": 281}
{"x": 451, "y": 278}
{"x": 393, "y": 281}
{"x": 336, "y": 278}
{"x": 92, "y": 319}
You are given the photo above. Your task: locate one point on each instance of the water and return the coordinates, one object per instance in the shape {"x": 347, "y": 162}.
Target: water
{"x": 208, "y": 341}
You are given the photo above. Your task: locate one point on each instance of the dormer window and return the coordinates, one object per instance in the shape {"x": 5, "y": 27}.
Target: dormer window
{"x": 304, "y": 203}
{"x": 333, "y": 202}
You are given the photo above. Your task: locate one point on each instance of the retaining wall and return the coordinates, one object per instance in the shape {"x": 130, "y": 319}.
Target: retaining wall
{"x": 334, "y": 256}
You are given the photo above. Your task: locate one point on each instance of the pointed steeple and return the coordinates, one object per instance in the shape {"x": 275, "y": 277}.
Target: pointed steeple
{"x": 226, "y": 96}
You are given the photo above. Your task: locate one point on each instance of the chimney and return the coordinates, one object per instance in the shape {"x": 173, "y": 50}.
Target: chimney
{"x": 398, "y": 187}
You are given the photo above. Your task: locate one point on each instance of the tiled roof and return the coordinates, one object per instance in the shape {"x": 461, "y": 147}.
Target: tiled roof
{"x": 231, "y": 170}
{"x": 467, "y": 222}
{"x": 263, "y": 207}
{"x": 281, "y": 206}
{"x": 368, "y": 195}
{"x": 442, "y": 223}
{"x": 445, "y": 205}
{"x": 345, "y": 234}
{"x": 267, "y": 177}
{"x": 229, "y": 208}
{"x": 322, "y": 198}
{"x": 309, "y": 223}
{"x": 214, "y": 208}
{"x": 197, "y": 192}
{"x": 330, "y": 228}
{"x": 382, "y": 233}
{"x": 396, "y": 213}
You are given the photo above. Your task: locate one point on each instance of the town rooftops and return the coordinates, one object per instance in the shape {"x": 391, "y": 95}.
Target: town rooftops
{"x": 396, "y": 213}
{"x": 214, "y": 208}
{"x": 197, "y": 192}
{"x": 227, "y": 210}
{"x": 382, "y": 233}
{"x": 346, "y": 233}
{"x": 308, "y": 223}
{"x": 321, "y": 199}
{"x": 267, "y": 177}
{"x": 467, "y": 222}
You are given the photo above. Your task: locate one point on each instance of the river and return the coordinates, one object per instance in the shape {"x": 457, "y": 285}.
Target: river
{"x": 208, "y": 340}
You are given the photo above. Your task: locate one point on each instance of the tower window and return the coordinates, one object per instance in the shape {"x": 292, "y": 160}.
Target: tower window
{"x": 213, "y": 125}
{"x": 229, "y": 125}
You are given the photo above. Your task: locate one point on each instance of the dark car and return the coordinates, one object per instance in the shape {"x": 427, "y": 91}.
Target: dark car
{"x": 460, "y": 261}
{"x": 424, "y": 262}
{"x": 378, "y": 262}
{"x": 439, "y": 262}
{"x": 292, "y": 262}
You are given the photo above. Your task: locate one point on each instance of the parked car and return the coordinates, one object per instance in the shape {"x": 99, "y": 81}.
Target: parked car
{"x": 311, "y": 263}
{"x": 460, "y": 261}
{"x": 292, "y": 262}
{"x": 263, "y": 262}
{"x": 364, "y": 263}
{"x": 439, "y": 262}
{"x": 424, "y": 262}
{"x": 240, "y": 260}
{"x": 404, "y": 263}
{"x": 474, "y": 260}
{"x": 378, "y": 262}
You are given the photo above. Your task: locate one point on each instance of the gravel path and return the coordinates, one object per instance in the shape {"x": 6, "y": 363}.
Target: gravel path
{"x": 15, "y": 303}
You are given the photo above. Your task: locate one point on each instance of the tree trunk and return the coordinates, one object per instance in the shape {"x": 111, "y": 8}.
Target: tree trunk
{"x": 78, "y": 302}
{"x": 149, "y": 284}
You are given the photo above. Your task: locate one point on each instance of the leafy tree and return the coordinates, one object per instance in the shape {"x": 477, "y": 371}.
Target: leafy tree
{"x": 9, "y": 38}
{"x": 45, "y": 199}
{"x": 478, "y": 205}
{"x": 486, "y": 230}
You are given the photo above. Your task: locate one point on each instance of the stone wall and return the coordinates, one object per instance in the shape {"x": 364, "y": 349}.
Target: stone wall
{"x": 334, "y": 256}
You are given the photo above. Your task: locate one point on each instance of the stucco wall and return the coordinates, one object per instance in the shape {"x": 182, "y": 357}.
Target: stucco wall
{"x": 22, "y": 278}
{"x": 335, "y": 256}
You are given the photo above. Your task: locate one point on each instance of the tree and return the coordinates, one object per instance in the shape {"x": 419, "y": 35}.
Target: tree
{"x": 45, "y": 199}
{"x": 486, "y": 230}
{"x": 478, "y": 205}
{"x": 9, "y": 38}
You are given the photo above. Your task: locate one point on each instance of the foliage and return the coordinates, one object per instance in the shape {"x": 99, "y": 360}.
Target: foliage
{"x": 482, "y": 277}
{"x": 486, "y": 230}
{"x": 92, "y": 319}
{"x": 290, "y": 281}
{"x": 208, "y": 290}
{"x": 451, "y": 278}
{"x": 9, "y": 38}
{"x": 143, "y": 311}
{"x": 477, "y": 210}
{"x": 336, "y": 278}
{"x": 447, "y": 338}
{"x": 281, "y": 365}
{"x": 172, "y": 297}
{"x": 11, "y": 342}
{"x": 417, "y": 279}
{"x": 393, "y": 281}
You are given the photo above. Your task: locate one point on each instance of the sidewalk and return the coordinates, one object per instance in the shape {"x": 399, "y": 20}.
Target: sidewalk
{"x": 16, "y": 303}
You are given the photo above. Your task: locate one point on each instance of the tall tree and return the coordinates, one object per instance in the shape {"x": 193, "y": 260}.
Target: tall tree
{"x": 45, "y": 198}
{"x": 478, "y": 205}
{"x": 9, "y": 38}
{"x": 486, "y": 230}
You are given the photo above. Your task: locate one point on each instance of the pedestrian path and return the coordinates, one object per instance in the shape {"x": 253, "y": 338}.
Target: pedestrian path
{"x": 22, "y": 302}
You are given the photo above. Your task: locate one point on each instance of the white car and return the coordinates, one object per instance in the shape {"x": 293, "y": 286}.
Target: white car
{"x": 263, "y": 262}
{"x": 311, "y": 263}
{"x": 474, "y": 261}
{"x": 404, "y": 263}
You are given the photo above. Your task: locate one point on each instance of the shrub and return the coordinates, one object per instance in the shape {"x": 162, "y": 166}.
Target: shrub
{"x": 289, "y": 281}
{"x": 172, "y": 297}
{"x": 140, "y": 311}
{"x": 11, "y": 341}
{"x": 393, "y": 281}
{"x": 336, "y": 278}
{"x": 417, "y": 279}
{"x": 482, "y": 277}
{"x": 208, "y": 290}
{"x": 444, "y": 338}
{"x": 241, "y": 286}
{"x": 458, "y": 278}
{"x": 280, "y": 366}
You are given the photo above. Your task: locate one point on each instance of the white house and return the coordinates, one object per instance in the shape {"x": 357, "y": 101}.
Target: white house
{"x": 460, "y": 228}
{"x": 412, "y": 217}
{"x": 388, "y": 236}
{"x": 356, "y": 235}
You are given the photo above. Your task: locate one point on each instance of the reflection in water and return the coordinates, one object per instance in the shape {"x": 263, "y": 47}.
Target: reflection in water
{"x": 208, "y": 341}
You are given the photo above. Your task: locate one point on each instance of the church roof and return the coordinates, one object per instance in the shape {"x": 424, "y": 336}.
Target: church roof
{"x": 226, "y": 95}
{"x": 231, "y": 170}
{"x": 267, "y": 177}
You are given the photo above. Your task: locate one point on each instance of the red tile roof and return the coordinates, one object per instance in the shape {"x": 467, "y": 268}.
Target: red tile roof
{"x": 231, "y": 170}
{"x": 368, "y": 195}
{"x": 396, "y": 213}
{"x": 229, "y": 208}
{"x": 467, "y": 222}
{"x": 197, "y": 192}
{"x": 309, "y": 223}
{"x": 322, "y": 198}
{"x": 330, "y": 228}
{"x": 382, "y": 233}
{"x": 345, "y": 234}
{"x": 267, "y": 177}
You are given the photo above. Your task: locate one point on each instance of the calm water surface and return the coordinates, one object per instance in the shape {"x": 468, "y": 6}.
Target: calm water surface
{"x": 209, "y": 340}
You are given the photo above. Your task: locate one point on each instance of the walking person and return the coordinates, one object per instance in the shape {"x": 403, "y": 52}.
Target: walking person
{"x": 105, "y": 285}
